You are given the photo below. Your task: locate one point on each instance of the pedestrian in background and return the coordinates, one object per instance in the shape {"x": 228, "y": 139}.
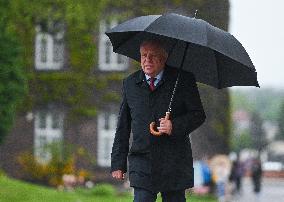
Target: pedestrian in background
{"x": 236, "y": 175}
{"x": 256, "y": 175}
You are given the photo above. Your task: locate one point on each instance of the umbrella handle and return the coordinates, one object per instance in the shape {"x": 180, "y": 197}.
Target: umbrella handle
{"x": 152, "y": 126}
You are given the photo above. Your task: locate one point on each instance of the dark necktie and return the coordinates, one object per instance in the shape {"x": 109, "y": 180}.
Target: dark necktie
{"x": 152, "y": 85}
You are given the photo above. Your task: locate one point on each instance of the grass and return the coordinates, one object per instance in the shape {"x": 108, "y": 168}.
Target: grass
{"x": 12, "y": 190}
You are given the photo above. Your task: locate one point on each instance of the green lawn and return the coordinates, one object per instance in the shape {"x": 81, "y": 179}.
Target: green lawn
{"x": 16, "y": 191}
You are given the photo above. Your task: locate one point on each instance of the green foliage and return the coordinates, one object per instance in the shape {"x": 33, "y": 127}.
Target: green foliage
{"x": 257, "y": 132}
{"x": 215, "y": 12}
{"x": 2, "y": 173}
{"x": 87, "y": 112}
{"x": 217, "y": 108}
{"x": 17, "y": 191}
{"x": 50, "y": 173}
{"x": 79, "y": 20}
{"x": 13, "y": 84}
{"x": 265, "y": 101}
{"x": 281, "y": 122}
{"x": 103, "y": 190}
{"x": 111, "y": 97}
{"x": 241, "y": 141}
{"x": 68, "y": 88}
{"x": 63, "y": 158}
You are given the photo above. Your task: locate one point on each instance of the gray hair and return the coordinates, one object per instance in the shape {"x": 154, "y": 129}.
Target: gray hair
{"x": 157, "y": 43}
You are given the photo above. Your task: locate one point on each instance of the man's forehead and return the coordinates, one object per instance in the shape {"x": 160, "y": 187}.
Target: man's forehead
{"x": 150, "y": 47}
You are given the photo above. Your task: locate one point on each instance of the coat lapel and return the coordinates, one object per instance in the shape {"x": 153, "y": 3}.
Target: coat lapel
{"x": 141, "y": 80}
{"x": 169, "y": 77}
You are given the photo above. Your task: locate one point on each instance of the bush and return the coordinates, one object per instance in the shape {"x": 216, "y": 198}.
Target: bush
{"x": 63, "y": 160}
{"x": 50, "y": 173}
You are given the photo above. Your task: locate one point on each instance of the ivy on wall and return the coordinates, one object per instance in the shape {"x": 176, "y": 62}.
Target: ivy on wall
{"x": 73, "y": 85}
{"x": 80, "y": 19}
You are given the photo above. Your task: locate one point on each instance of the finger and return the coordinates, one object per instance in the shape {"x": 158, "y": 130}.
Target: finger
{"x": 162, "y": 129}
{"x": 117, "y": 175}
{"x": 163, "y": 126}
{"x": 166, "y": 122}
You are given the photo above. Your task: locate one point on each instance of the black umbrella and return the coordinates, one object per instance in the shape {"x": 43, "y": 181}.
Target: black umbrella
{"x": 214, "y": 56}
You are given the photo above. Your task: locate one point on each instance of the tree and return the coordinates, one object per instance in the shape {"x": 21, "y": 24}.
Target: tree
{"x": 12, "y": 80}
{"x": 257, "y": 132}
{"x": 281, "y": 122}
{"x": 241, "y": 141}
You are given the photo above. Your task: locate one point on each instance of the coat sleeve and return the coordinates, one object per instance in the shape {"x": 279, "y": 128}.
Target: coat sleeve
{"x": 121, "y": 141}
{"x": 194, "y": 114}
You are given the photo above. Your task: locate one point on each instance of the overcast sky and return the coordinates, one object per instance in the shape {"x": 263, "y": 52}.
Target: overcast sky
{"x": 259, "y": 26}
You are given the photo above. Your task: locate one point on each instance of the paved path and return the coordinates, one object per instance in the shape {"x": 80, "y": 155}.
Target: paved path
{"x": 272, "y": 191}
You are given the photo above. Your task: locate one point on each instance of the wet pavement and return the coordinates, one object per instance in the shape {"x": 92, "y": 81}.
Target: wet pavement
{"x": 272, "y": 191}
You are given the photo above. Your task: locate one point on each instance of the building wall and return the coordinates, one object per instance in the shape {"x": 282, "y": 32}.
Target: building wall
{"x": 84, "y": 131}
{"x": 19, "y": 140}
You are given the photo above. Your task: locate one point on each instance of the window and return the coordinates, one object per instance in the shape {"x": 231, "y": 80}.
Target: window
{"x": 48, "y": 128}
{"x": 106, "y": 131}
{"x": 108, "y": 60}
{"x": 49, "y": 50}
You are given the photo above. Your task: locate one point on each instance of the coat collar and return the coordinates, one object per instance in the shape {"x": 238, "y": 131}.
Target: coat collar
{"x": 170, "y": 74}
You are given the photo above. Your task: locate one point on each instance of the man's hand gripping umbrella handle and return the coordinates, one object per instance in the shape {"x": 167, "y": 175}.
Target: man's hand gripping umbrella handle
{"x": 152, "y": 126}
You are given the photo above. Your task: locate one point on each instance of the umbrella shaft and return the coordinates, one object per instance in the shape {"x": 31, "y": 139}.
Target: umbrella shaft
{"x": 174, "y": 91}
{"x": 173, "y": 94}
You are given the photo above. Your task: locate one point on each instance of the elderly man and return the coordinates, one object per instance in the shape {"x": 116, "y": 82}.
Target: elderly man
{"x": 156, "y": 163}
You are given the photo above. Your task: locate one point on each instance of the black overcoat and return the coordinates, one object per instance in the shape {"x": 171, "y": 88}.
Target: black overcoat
{"x": 157, "y": 163}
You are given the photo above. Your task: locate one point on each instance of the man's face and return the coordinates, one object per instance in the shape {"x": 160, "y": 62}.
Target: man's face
{"x": 152, "y": 59}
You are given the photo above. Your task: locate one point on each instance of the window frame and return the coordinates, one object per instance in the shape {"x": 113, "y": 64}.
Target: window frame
{"x": 50, "y": 63}
{"x": 117, "y": 62}
{"x": 49, "y": 134}
{"x": 105, "y": 137}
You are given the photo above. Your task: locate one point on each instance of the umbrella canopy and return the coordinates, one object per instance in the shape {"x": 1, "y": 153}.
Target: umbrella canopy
{"x": 214, "y": 56}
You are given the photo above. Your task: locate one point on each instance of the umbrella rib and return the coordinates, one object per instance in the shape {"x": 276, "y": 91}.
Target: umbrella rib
{"x": 206, "y": 35}
{"x": 137, "y": 32}
{"x": 171, "y": 50}
{"x": 218, "y": 73}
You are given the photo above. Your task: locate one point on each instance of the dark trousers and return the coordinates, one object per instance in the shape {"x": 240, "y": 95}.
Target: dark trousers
{"x": 143, "y": 195}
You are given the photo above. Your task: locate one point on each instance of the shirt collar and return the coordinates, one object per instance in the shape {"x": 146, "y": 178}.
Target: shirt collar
{"x": 158, "y": 77}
